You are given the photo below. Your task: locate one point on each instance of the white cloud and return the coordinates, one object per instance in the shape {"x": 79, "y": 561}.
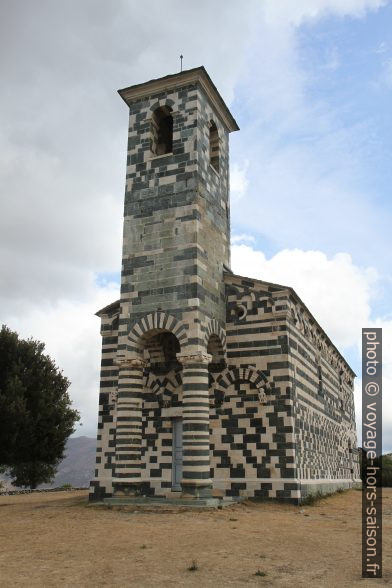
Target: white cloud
{"x": 62, "y": 151}
{"x": 64, "y": 128}
{"x": 337, "y": 292}
{"x": 238, "y": 180}
{"x": 244, "y": 238}
{"x": 277, "y": 12}
{"x": 382, "y": 48}
{"x": 309, "y": 164}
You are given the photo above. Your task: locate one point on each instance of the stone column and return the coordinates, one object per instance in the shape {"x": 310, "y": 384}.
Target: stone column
{"x": 196, "y": 479}
{"x": 127, "y": 479}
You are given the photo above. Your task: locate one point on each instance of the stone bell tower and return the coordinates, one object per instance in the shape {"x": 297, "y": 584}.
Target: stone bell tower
{"x": 176, "y": 214}
{"x": 175, "y": 251}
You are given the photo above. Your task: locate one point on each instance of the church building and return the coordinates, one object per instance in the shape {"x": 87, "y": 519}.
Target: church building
{"x": 213, "y": 385}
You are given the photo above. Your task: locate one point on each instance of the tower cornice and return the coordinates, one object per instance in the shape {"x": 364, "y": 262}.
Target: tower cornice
{"x": 196, "y": 75}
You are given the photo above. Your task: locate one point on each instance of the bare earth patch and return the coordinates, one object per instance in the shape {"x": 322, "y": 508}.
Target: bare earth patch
{"x": 59, "y": 540}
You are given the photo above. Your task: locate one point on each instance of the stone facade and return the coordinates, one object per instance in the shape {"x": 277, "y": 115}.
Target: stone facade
{"x": 212, "y": 384}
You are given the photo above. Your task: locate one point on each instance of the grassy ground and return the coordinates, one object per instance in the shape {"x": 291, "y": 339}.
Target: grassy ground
{"x": 55, "y": 540}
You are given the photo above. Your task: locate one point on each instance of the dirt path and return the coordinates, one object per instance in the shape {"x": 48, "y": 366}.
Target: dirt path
{"x": 56, "y": 540}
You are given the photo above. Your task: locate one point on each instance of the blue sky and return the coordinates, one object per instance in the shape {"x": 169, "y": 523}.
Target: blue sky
{"x": 310, "y": 84}
{"x": 323, "y": 182}
{"x": 334, "y": 132}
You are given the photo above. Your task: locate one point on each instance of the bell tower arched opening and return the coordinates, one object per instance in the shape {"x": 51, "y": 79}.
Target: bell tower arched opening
{"x": 162, "y": 131}
{"x": 214, "y": 146}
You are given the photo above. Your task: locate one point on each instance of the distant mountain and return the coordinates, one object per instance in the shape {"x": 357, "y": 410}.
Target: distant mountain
{"x": 77, "y": 467}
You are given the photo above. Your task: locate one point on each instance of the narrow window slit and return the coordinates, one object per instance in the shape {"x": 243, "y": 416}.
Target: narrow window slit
{"x": 214, "y": 146}
{"x": 162, "y": 131}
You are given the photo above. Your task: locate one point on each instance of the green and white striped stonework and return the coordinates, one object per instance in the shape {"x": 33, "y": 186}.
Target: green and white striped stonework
{"x": 239, "y": 368}
{"x": 196, "y": 424}
{"x": 129, "y": 426}
{"x": 176, "y": 220}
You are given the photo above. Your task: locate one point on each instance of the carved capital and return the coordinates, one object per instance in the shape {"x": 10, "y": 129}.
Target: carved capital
{"x": 199, "y": 357}
{"x": 136, "y": 362}
{"x": 131, "y": 362}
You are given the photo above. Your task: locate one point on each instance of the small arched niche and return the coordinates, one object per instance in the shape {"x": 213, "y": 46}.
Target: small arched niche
{"x": 162, "y": 131}
{"x": 214, "y": 146}
{"x": 160, "y": 350}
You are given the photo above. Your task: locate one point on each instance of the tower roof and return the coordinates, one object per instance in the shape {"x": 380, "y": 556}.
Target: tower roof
{"x": 196, "y": 75}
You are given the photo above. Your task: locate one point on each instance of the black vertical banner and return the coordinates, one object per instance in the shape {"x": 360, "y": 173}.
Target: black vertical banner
{"x": 371, "y": 453}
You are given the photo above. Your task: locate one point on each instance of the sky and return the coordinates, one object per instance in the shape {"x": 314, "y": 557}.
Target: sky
{"x": 310, "y": 85}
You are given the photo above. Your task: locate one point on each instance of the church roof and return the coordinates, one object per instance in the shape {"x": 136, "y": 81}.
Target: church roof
{"x": 170, "y": 82}
{"x": 251, "y": 282}
{"x": 112, "y": 307}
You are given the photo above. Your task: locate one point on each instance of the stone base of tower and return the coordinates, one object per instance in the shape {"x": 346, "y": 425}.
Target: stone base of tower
{"x": 164, "y": 502}
{"x": 98, "y": 492}
{"x": 224, "y": 492}
{"x": 318, "y": 488}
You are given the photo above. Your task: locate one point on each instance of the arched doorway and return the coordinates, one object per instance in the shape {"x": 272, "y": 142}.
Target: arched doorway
{"x": 162, "y": 446}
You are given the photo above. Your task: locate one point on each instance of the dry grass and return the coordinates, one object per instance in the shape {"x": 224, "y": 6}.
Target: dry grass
{"x": 56, "y": 540}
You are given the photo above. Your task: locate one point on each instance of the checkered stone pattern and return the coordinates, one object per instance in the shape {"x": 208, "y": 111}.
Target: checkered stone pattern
{"x": 164, "y": 388}
{"x": 243, "y": 436}
{"x": 270, "y": 328}
{"x": 323, "y": 448}
{"x": 322, "y": 386}
{"x": 257, "y": 342}
{"x": 265, "y": 398}
{"x": 271, "y": 426}
{"x": 156, "y": 453}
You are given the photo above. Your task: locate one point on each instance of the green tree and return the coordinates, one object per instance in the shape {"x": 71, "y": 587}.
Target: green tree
{"x": 36, "y": 417}
{"x": 384, "y": 463}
